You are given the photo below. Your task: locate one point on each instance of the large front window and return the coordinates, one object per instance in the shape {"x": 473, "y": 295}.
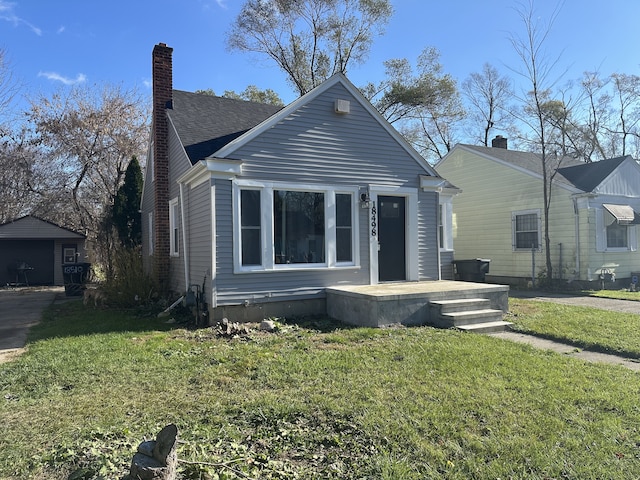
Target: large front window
{"x": 281, "y": 227}
{"x": 299, "y": 231}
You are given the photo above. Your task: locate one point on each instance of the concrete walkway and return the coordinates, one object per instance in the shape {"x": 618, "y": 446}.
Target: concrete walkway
{"x": 20, "y": 309}
{"x": 623, "y": 306}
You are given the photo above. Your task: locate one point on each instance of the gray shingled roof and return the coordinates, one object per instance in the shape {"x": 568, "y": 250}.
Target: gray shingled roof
{"x": 529, "y": 161}
{"x": 206, "y": 123}
{"x": 30, "y": 227}
{"x": 588, "y": 176}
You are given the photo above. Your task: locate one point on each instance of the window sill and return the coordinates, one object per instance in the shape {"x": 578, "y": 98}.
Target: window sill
{"x": 290, "y": 269}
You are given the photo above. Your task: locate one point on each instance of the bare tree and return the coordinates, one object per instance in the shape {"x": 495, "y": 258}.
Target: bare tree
{"x": 309, "y": 40}
{"x": 488, "y": 94}
{"x": 87, "y": 138}
{"x": 16, "y": 196}
{"x": 537, "y": 71}
{"x": 626, "y": 89}
{"x": 9, "y": 88}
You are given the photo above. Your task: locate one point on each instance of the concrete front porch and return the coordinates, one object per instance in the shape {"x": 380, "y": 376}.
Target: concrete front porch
{"x": 441, "y": 303}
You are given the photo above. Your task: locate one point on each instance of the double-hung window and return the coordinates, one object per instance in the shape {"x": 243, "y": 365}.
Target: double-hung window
{"x": 281, "y": 226}
{"x": 616, "y": 228}
{"x": 526, "y": 230}
{"x": 250, "y": 222}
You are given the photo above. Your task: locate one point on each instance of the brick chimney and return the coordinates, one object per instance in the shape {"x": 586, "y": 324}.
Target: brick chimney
{"x": 499, "y": 142}
{"x": 162, "y": 79}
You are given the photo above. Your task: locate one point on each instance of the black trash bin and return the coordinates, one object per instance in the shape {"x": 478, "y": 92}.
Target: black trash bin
{"x": 472, "y": 270}
{"x": 75, "y": 278}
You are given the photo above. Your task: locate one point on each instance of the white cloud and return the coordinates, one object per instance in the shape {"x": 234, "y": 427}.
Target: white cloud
{"x": 7, "y": 14}
{"x": 56, "y": 77}
{"x": 61, "y": 29}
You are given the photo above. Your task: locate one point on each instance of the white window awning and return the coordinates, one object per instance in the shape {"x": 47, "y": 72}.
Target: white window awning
{"x": 622, "y": 214}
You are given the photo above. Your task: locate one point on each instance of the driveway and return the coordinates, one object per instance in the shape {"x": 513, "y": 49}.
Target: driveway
{"x": 19, "y": 310}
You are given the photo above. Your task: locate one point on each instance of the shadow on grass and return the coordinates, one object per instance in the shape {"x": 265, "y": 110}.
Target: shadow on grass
{"x": 319, "y": 323}
{"x": 70, "y": 318}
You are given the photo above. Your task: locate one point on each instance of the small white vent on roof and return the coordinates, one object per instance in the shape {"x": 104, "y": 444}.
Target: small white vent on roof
{"x": 342, "y": 106}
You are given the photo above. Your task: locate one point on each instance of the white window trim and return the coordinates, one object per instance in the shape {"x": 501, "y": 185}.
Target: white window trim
{"x": 518, "y": 213}
{"x": 601, "y": 235}
{"x": 446, "y": 203}
{"x": 174, "y": 247}
{"x": 267, "y": 225}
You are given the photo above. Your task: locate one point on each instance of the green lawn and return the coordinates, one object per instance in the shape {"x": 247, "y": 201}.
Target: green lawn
{"x": 616, "y": 294}
{"x": 311, "y": 401}
{"x": 600, "y": 330}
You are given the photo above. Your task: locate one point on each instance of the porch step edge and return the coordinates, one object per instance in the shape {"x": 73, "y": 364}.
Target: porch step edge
{"x": 486, "y": 327}
{"x": 472, "y": 316}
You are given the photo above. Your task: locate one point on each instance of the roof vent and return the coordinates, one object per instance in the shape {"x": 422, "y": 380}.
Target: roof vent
{"x": 342, "y": 106}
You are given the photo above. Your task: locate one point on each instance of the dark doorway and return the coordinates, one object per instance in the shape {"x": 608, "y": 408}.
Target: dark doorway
{"x": 27, "y": 261}
{"x": 392, "y": 239}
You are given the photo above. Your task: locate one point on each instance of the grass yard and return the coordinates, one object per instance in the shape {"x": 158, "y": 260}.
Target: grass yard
{"x": 311, "y": 401}
{"x": 617, "y": 294}
{"x": 601, "y": 330}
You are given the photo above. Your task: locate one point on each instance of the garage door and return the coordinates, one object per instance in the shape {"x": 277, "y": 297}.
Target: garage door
{"x": 38, "y": 254}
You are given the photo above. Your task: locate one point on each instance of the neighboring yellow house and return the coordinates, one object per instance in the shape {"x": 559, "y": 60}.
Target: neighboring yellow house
{"x": 499, "y": 214}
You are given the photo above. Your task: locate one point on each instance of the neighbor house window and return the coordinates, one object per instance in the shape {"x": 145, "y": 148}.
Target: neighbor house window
{"x": 281, "y": 226}
{"x": 299, "y": 230}
{"x": 526, "y": 230}
{"x": 617, "y": 236}
{"x": 251, "y": 251}
{"x": 174, "y": 216}
{"x": 68, "y": 254}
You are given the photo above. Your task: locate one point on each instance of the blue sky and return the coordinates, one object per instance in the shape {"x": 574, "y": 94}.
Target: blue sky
{"x": 52, "y": 43}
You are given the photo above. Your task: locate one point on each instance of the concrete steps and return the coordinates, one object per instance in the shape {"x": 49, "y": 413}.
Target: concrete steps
{"x": 469, "y": 314}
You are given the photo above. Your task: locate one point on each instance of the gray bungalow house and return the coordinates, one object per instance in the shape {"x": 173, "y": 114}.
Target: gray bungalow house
{"x": 267, "y": 207}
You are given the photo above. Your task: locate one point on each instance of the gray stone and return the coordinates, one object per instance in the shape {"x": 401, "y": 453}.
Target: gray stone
{"x": 157, "y": 460}
{"x": 267, "y": 325}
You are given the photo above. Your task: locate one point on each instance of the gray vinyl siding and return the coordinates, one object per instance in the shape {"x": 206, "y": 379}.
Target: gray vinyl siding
{"x": 316, "y": 145}
{"x": 199, "y": 234}
{"x": 273, "y": 286}
{"x": 428, "y": 236}
{"x": 179, "y": 164}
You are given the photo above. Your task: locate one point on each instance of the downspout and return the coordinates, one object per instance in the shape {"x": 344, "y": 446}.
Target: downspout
{"x": 438, "y": 239}
{"x": 576, "y": 216}
{"x": 184, "y": 240}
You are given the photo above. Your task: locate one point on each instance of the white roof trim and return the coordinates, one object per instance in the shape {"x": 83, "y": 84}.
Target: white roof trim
{"x": 295, "y": 105}
{"x": 202, "y": 171}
